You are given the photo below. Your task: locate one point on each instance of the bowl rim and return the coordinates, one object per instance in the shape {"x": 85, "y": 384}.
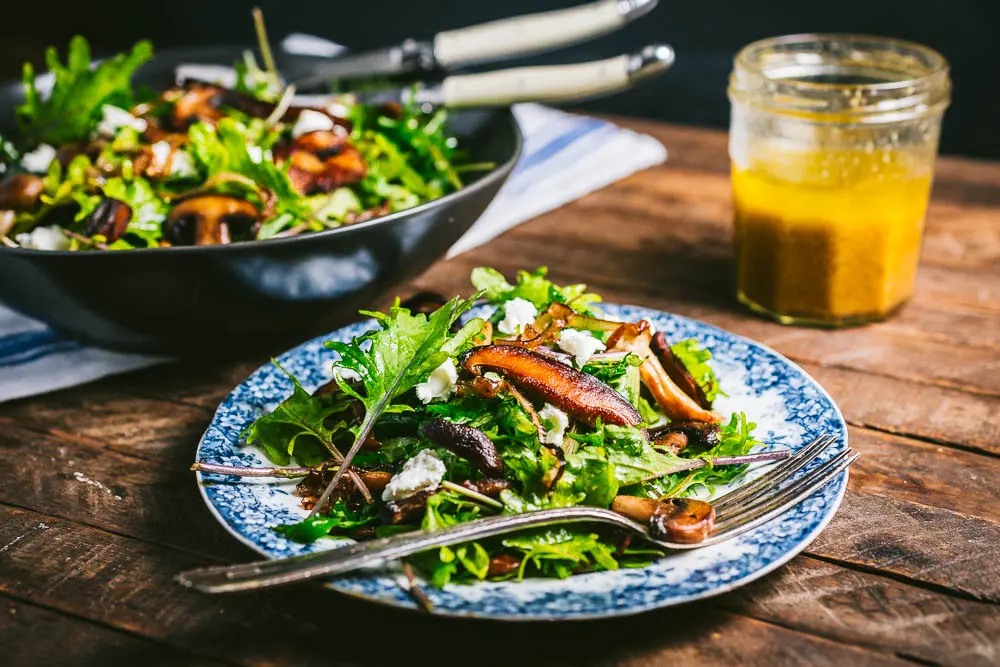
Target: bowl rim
{"x": 499, "y": 172}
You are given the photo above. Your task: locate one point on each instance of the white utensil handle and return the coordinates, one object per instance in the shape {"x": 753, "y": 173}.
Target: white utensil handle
{"x": 534, "y": 32}
{"x": 558, "y": 83}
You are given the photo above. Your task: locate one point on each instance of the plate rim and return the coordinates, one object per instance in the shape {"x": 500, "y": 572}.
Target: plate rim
{"x": 842, "y": 480}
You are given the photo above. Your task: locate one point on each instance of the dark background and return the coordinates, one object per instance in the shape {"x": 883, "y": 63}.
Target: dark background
{"x": 705, "y": 34}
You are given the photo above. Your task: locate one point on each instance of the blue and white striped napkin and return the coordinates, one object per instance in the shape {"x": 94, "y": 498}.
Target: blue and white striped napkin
{"x": 565, "y": 157}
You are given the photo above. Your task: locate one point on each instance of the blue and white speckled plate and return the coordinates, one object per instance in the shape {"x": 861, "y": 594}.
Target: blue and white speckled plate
{"x": 789, "y": 407}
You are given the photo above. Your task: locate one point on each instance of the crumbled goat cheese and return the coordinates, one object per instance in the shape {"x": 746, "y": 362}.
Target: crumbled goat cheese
{"x": 517, "y": 313}
{"x": 311, "y": 121}
{"x": 38, "y": 160}
{"x": 44, "y": 238}
{"x": 423, "y": 472}
{"x": 581, "y": 344}
{"x": 440, "y": 383}
{"x": 181, "y": 164}
{"x": 560, "y": 422}
{"x": 116, "y": 118}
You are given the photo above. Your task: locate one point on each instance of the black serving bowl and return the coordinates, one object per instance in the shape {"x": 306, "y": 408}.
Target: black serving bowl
{"x": 182, "y": 300}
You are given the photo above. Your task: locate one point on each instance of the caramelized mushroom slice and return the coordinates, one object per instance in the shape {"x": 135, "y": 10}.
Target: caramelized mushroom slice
{"x": 211, "y": 220}
{"x": 110, "y": 219}
{"x": 488, "y": 487}
{"x": 704, "y": 435}
{"x": 407, "y": 509}
{"x": 311, "y": 174}
{"x": 467, "y": 442}
{"x": 579, "y": 394}
{"x": 682, "y": 520}
{"x": 21, "y": 192}
{"x": 677, "y": 371}
{"x": 502, "y": 564}
{"x": 636, "y": 338}
{"x": 674, "y": 442}
{"x": 312, "y": 485}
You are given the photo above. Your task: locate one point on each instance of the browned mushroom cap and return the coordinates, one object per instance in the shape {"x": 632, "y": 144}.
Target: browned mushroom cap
{"x": 683, "y": 520}
{"x": 636, "y": 338}
{"x": 502, "y": 564}
{"x": 677, "y": 371}
{"x": 674, "y": 442}
{"x": 488, "y": 487}
{"x": 581, "y": 395}
{"x": 110, "y": 219}
{"x": 21, "y": 192}
{"x": 211, "y": 220}
{"x": 406, "y": 509}
{"x": 311, "y": 174}
{"x": 467, "y": 442}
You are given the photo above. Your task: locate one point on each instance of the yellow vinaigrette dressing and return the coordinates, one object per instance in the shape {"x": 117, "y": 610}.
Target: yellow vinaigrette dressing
{"x": 828, "y": 237}
{"x": 832, "y": 140}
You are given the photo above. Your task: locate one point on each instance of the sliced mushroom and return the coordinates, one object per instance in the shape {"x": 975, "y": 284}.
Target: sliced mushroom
{"x": 312, "y": 485}
{"x": 407, "y": 509}
{"x": 636, "y": 338}
{"x": 677, "y": 371}
{"x": 311, "y": 174}
{"x": 467, "y": 442}
{"x": 502, "y": 564}
{"x": 110, "y": 219}
{"x": 581, "y": 395}
{"x": 488, "y": 487}
{"x": 21, "y": 192}
{"x": 682, "y": 520}
{"x": 703, "y": 435}
{"x": 674, "y": 442}
{"x": 211, "y": 220}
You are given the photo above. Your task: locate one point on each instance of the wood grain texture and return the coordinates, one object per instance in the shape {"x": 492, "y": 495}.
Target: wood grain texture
{"x": 98, "y": 511}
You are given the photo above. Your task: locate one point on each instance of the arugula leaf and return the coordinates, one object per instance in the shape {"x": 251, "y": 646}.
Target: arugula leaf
{"x": 560, "y": 552}
{"x": 392, "y": 359}
{"x": 340, "y": 518}
{"x": 696, "y": 360}
{"x": 446, "y": 509}
{"x": 300, "y": 426}
{"x": 533, "y": 287}
{"x": 73, "y": 107}
{"x": 622, "y": 376}
{"x": 148, "y": 209}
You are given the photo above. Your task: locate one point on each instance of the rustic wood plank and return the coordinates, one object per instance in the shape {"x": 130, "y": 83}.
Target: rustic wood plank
{"x": 918, "y": 542}
{"x": 873, "y": 611}
{"x": 32, "y": 636}
{"x": 127, "y": 584}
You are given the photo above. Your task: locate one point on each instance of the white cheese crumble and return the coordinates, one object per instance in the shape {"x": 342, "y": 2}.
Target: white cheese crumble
{"x": 346, "y": 374}
{"x": 311, "y": 121}
{"x": 560, "y": 422}
{"x": 181, "y": 164}
{"x": 44, "y": 238}
{"x": 581, "y": 344}
{"x": 116, "y": 118}
{"x": 38, "y": 160}
{"x": 517, "y": 313}
{"x": 440, "y": 383}
{"x": 423, "y": 472}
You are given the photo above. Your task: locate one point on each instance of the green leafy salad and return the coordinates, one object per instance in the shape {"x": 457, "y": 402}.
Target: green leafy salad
{"x": 98, "y": 163}
{"x": 434, "y": 418}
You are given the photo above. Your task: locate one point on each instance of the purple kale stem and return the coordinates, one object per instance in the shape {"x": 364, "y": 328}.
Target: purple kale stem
{"x": 757, "y": 457}
{"x": 249, "y": 471}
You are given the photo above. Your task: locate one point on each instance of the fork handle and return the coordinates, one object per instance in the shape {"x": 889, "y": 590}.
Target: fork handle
{"x": 265, "y": 574}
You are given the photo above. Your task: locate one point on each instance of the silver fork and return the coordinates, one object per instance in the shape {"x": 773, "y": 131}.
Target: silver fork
{"x": 737, "y": 512}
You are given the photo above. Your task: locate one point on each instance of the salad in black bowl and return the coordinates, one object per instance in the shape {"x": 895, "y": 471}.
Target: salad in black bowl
{"x": 142, "y": 214}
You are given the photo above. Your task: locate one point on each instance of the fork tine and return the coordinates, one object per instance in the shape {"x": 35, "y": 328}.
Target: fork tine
{"x": 776, "y": 475}
{"x": 776, "y": 503}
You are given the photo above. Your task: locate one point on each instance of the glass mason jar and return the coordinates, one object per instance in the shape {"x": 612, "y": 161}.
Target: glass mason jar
{"x": 832, "y": 142}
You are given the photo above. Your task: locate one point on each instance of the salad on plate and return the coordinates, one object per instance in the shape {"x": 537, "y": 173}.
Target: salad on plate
{"x": 434, "y": 417}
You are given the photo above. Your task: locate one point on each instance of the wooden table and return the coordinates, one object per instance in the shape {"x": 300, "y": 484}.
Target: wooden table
{"x": 98, "y": 511}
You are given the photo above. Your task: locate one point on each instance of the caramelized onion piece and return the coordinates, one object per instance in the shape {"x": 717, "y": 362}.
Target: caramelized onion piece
{"x": 581, "y": 395}
{"x": 109, "y": 219}
{"x": 467, "y": 442}
{"x": 211, "y": 220}
{"x": 21, "y": 192}
{"x": 636, "y": 338}
{"x": 683, "y": 520}
{"x": 677, "y": 371}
